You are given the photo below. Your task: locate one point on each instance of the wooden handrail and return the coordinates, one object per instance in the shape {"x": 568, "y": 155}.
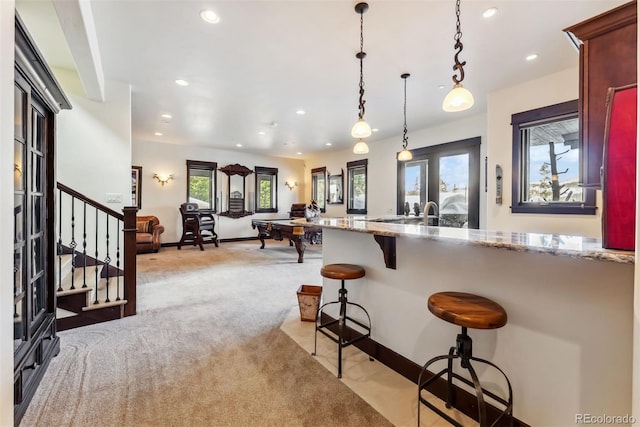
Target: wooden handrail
{"x": 89, "y": 201}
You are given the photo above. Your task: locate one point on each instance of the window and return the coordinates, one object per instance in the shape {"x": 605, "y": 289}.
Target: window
{"x": 546, "y": 162}
{"x": 318, "y": 186}
{"x": 266, "y": 189}
{"x": 447, "y": 174}
{"x": 201, "y": 184}
{"x": 357, "y": 187}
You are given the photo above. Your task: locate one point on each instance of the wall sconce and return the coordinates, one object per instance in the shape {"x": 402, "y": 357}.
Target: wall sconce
{"x": 289, "y": 185}
{"x": 163, "y": 179}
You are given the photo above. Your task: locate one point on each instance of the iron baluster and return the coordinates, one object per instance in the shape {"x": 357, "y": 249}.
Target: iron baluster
{"x": 118, "y": 260}
{"x": 96, "y": 301}
{"x": 84, "y": 245}
{"x": 107, "y": 260}
{"x": 73, "y": 243}
{"x": 59, "y": 246}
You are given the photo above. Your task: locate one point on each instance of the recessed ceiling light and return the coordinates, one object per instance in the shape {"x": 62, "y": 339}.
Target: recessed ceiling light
{"x": 328, "y": 143}
{"x": 166, "y": 116}
{"x": 441, "y": 87}
{"x": 300, "y": 112}
{"x": 532, "y": 57}
{"x": 299, "y": 153}
{"x": 261, "y": 133}
{"x": 210, "y": 16}
{"x": 488, "y": 13}
{"x": 158, "y": 134}
{"x": 238, "y": 145}
{"x": 375, "y": 130}
{"x": 181, "y": 82}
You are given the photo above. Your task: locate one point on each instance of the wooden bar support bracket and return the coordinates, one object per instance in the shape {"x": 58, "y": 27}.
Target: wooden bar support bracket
{"x": 388, "y": 246}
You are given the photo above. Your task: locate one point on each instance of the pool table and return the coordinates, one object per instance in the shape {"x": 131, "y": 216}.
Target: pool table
{"x": 299, "y": 233}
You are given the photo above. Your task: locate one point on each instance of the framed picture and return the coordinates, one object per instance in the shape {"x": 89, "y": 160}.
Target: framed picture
{"x": 136, "y": 186}
{"x": 335, "y": 189}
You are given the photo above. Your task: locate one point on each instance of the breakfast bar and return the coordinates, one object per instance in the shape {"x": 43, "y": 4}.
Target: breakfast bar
{"x": 567, "y": 346}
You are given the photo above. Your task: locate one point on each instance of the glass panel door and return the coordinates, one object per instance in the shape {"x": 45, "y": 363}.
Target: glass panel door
{"x": 453, "y": 186}
{"x": 19, "y": 220}
{"x": 416, "y": 184}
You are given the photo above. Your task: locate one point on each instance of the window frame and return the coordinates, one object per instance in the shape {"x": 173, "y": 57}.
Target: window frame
{"x": 210, "y": 166}
{"x": 544, "y": 115}
{"x": 351, "y": 166}
{"x": 322, "y": 204}
{"x": 273, "y": 173}
{"x": 433, "y": 154}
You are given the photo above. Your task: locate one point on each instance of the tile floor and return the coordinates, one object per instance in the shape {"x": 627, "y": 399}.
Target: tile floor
{"x": 388, "y": 392}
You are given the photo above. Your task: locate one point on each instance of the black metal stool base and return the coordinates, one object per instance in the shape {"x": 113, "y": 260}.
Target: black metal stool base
{"x": 463, "y": 351}
{"x": 339, "y": 337}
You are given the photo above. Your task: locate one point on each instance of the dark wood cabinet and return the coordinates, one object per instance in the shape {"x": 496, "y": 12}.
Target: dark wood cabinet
{"x": 37, "y": 99}
{"x": 607, "y": 44}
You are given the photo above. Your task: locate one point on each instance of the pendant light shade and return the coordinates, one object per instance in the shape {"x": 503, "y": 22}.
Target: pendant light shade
{"x": 361, "y": 147}
{"x": 459, "y": 98}
{"x": 361, "y": 129}
{"x": 405, "y": 154}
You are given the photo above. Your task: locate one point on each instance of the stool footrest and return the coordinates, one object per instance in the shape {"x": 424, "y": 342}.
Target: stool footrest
{"x": 479, "y": 390}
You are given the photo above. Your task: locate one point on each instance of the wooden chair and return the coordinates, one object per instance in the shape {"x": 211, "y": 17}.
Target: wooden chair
{"x": 197, "y": 227}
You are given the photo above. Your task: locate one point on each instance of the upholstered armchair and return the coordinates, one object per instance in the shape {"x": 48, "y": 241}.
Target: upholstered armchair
{"x": 148, "y": 231}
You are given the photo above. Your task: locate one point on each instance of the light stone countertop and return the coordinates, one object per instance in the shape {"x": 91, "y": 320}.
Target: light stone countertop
{"x": 555, "y": 244}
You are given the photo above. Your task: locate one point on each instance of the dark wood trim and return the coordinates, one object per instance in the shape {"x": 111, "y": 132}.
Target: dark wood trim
{"x": 352, "y": 165}
{"x": 606, "y": 22}
{"x": 234, "y": 239}
{"x": 204, "y": 165}
{"x": 464, "y": 401}
{"x": 541, "y": 115}
{"x": 36, "y": 65}
{"x": 433, "y": 154}
{"x": 99, "y": 206}
{"x": 130, "y": 268}
{"x": 314, "y": 171}
{"x": 263, "y": 170}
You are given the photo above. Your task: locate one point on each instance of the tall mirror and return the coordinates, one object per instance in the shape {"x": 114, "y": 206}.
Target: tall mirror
{"x": 236, "y": 191}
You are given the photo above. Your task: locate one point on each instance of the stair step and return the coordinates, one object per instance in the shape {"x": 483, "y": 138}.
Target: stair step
{"x": 104, "y": 305}
{"x": 61, "y": 313}
{"x": 78, "y": 290}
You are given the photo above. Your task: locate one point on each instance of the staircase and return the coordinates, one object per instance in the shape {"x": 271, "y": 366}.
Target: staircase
{"x": 96, "y": 264}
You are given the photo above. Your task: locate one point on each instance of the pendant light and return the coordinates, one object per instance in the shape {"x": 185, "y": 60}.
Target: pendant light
{"x": 459, "y": 99}
{"x": 405, "y": 154}
{"x": 361, "y": 129}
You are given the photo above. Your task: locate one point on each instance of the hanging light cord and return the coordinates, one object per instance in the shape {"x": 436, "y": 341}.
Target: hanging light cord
{"x": 458, "y": 46}
{"x": 405, "y": 140}
{"x": 360, "y": 55}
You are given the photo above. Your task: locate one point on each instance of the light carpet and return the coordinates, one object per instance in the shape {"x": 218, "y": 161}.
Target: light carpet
{"x": 204, "y": 350}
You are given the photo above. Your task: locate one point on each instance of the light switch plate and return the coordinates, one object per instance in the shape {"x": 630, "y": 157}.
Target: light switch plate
{"x": 114, "y": 197}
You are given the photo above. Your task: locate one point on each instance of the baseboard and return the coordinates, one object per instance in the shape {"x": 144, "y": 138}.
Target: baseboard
{"x": 234, "y": 239}
{"x": 464, "y": 401}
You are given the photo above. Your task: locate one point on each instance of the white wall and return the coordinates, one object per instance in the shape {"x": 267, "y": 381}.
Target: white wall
{"x": 163, "y": 201}
{"x": 6, "y": 210}
{"x": 94, "y": 141}
{"x": 382, "y": 164}
{"x": 549, "y": 90}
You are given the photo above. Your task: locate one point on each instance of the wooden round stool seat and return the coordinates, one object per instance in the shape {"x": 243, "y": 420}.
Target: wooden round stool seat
{"x": 342, "y": 271}
{"x": 467, "y": 310}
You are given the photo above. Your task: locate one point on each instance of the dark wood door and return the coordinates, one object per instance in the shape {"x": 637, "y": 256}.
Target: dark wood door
{"x": 35, "y": 341}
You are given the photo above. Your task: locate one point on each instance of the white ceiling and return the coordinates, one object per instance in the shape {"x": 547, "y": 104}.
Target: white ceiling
{"x": 266, "y": 59}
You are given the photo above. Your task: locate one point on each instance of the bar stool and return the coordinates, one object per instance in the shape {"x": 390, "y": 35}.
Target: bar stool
{"x": 341, "y": 272}
{"x": 467, "y": 311}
